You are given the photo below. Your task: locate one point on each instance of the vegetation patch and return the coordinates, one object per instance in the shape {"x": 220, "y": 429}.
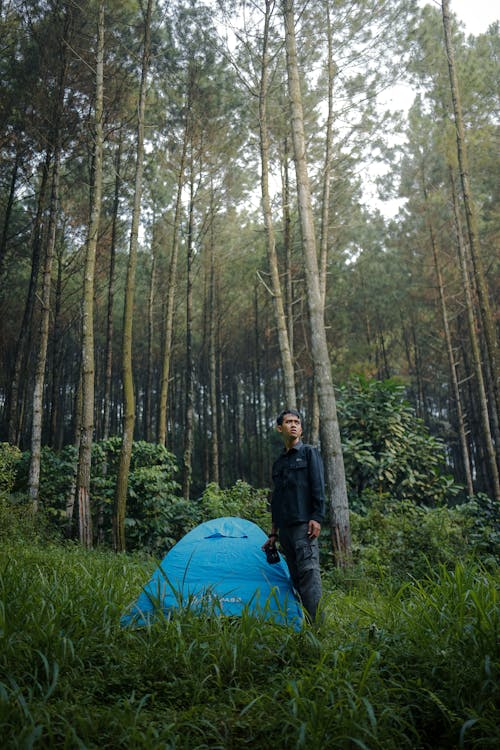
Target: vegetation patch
{"x": 389, "y": 667}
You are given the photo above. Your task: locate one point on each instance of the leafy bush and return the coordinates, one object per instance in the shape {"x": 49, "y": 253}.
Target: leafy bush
{"x": 156, "y": 516}
{"x": 387, "y": 449}
{"x": 240, "y": 500}
{"x": 17, "y": 522}
{"x": 401, "y": 539}
{"x": 9, "y": 459}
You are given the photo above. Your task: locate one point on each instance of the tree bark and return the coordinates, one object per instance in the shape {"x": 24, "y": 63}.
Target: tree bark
{"x": 451, "y": 358}
{"x": 120, "y": 500}
{"x": 476, "y": 353}
{"x": 36, "y": 429}
{"x": 212, "y": 354}
{"x": 148, "y": 411}
{"x": 189, "y": 410}
{"x": 45, "y": 296}
{"x": 25, "y": 332}
{"x": 88, "y": 360}
{"x": 329, "y": 426}
{"x": 111, "y": 293}
{"x": 471, "y": 212}
{"x": 279, "y": 310}
{"x": 170, "y": 294}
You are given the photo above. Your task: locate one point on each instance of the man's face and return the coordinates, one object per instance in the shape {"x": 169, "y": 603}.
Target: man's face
{"x": 291, "y": 427}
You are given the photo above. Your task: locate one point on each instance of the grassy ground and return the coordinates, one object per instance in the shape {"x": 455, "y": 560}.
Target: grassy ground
{"x": 390, "y": 668}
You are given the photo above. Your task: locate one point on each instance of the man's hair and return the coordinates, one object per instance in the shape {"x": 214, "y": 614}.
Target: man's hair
{"x": 279, "y": 418}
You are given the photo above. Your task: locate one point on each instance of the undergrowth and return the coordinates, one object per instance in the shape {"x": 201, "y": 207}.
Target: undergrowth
{"x": 390, "y": 667}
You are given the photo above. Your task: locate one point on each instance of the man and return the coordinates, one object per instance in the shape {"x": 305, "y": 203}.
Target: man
{"x": 297, "y": 509}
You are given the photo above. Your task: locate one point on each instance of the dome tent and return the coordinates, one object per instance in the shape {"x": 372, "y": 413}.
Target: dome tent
{"x": 219, "y": 567}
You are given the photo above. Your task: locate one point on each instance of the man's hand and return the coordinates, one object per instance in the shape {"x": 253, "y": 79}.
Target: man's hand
{"x": 270, "y": 542}
{"x": 313, "y": 529}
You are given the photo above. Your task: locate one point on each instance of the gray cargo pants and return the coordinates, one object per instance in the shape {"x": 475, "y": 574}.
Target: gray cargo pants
{"x": 302, "y": 557}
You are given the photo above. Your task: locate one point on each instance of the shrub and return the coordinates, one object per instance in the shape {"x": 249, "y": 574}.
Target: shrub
{"x": 240, "y": 500}
{"x": 387, "y": 449}
{"x": 9, "y": 460}
{"x": 401, "y": 539}
{"x": 156, "y": 516}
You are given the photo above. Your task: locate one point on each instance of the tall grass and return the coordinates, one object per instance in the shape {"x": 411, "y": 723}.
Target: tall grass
{"x": 412, "y": 667}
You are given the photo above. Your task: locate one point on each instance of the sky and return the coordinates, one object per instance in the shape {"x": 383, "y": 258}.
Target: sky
{"x": 476, "y": 15}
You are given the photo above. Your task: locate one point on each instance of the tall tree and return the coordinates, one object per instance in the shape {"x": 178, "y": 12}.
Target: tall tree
{"x": 279, "y": 310}
{"x": 329, "y": 426}
{"x": 120, "y": 499}
{"x": 88, "y": 364}
{"x": 46, "y": 286}
{"x": 471, "y": 213}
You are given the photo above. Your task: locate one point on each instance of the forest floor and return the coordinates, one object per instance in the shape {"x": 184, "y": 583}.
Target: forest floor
{"x": 391, "y": 667}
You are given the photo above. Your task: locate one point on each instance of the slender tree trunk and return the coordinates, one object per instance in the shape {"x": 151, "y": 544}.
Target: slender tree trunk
{"x": 148, "y": 431}
{"x": 327, "y": 166}
{"x": 27, "y": 322}
{"x": 170, "y": 293}
{"x": 476, "y": 353}
{"x": 287, "y": 243}
{"x": 71, "y": 496}
{"x": 279, "y": 310}
{"x": 57, "y": 359}
{"x": 189, "y": 412}
{"x": 88, "y": 359}
{"x": 111, "y": 293}
{"x": 8, "y": 211}
{"x": 325, "y": 206}
{"x": 38, "y": 391}
{"x": 471, "y": 212}
{"x": 120, "y": 500}
{"x": 212, "y": 355}
{"x": 451, "y": 360}
{"x": 330, "y": 431}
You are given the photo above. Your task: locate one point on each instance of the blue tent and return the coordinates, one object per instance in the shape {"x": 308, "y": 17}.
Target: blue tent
{"x": 220, "y": 567}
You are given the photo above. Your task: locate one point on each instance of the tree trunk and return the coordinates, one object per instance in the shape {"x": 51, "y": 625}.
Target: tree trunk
{"x": 120, "y": 500}
{"x": 330, "y": 432}
{"x": 8, "y": 211}
{"x": 25, "y": 332}
{"x": 189, "y": 412}
{"x": 111, "y": 293}
{"x": 36, "y": 429}
{"x": 88, "y": 360}
{"x": 41, "y": 359}
{"x": 170, "y": 294}
{"x": 148, "y": 411}
{"x": 470, "y": 212}
{"x": 476, "y": 353}
{"x": 451, "y": 359}
{"x": 212, "y": 355}
{"x": 279, "y": 311}
{"x": 57, "y": 363}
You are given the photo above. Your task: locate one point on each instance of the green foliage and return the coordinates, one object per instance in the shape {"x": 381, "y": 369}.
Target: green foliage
{"x": 412, "y": 667}
{"x": 17, "y": 522}
{"x": 387, "y": 449}
{"x": 481, "y": 519}
{"x": 240, "y": 500}
{"x": 403, "y": 539}
{"x": 9, "y": 459}
{"x": 156, "y": 515}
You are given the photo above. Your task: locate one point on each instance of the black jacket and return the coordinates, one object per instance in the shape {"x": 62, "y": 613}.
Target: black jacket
{"x": 299, "y": 486}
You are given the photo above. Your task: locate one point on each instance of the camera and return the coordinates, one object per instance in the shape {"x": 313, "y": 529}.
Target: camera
{"x": 272, "y": 555}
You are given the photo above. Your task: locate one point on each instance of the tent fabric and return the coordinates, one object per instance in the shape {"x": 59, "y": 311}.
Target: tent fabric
{"x": 219, "y": 567}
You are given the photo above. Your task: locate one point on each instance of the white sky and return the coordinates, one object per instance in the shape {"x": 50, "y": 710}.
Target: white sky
{"x": 476, "y": 15}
